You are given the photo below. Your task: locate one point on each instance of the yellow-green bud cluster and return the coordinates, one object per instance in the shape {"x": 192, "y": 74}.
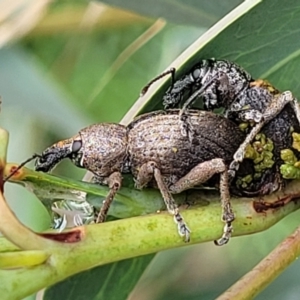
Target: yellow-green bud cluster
{"x": 261, "y": 152}
{"x": 291, "y": 167}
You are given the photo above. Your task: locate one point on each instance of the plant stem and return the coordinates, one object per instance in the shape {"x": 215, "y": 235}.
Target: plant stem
{"x": 117, "y": 240}
{"x": 251, "y": 284}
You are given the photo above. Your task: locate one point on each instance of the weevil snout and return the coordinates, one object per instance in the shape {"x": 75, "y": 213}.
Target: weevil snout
{"x": 55, "y": 153}
{"x": 46, "y": 162}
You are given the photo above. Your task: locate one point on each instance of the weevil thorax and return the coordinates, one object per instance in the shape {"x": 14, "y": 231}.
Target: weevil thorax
{"x": 221, "y": 93}
{"x": 190, "y": 81}
{"x": 231, "y": 80}
{"x": 103, "y": 149}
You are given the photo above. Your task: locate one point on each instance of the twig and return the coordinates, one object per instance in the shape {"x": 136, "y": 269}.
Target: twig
{"x": 266, "y": 271}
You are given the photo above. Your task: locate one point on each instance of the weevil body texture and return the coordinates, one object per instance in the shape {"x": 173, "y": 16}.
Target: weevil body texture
{"x": 157, "y": 137}
{"x": 157, "y": 154}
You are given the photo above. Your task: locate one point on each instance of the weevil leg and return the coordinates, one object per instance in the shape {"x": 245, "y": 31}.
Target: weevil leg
{"x": 240, "y": 153}
{"x": 288, "y": 97}
{"x": 275, "y": 107}
{"x": 114, "y": 182}
{"x": 146, "y": 173}
{"x": 170, "y": 71}
{"x": 227, "y": 213}
{"x": 186, "y": 127}
{"x": 172, "y": 207}
{"x": 220, "y": 78}
{"x": 200, "y": 174}
{"x": 278, "y": 103}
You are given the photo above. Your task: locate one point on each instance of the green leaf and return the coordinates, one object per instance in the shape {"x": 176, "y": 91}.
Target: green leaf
{"x": 91, "y": 65}
{"x": 261, "y": 41}
{"x": 128, "y": 202}
{"x": 112, "y": 281}
{"x": 194, "y": 13}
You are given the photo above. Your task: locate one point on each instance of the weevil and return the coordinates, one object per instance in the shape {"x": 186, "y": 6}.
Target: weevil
{"x": 225, "y": 84}
{"x": 221, "y": 83}
{"x": 155, "y": 152}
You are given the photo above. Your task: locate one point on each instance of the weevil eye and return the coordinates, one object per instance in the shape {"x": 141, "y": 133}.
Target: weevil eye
{"x": 40, "y": 159}
{"x": 76, "y": 146}
{"x": 196, "y": 74}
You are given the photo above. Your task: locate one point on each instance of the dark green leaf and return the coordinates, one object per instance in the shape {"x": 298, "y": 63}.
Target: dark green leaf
{"x": 264, "y": 41}
{"x": 128, "y": 202}
{"x": 113, "y": 281}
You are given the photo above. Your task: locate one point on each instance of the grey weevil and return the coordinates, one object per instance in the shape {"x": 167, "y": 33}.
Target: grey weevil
{"x": 222, "y": 83}
{"x": 155, "y": 152}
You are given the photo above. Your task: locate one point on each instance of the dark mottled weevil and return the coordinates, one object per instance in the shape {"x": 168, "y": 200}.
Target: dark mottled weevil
{"x": 154, "y": 150}
{"x": 229, "y": 86}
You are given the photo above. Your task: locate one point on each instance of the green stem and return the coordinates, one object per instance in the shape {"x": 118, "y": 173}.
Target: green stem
{"x": 266, "y": 271}
{"x": 3, "y": 151}
{"x": 10, "y": 226}
{"x": 117, "y": 240}
{"x": 17, "y": 233}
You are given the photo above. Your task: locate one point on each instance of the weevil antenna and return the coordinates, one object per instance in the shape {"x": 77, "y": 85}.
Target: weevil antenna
{"x": 170, "y": 71}
{"x": 34, "y": 156}
{"x": 173, "y": 77}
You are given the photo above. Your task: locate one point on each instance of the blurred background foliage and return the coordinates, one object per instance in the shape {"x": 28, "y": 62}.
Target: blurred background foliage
{"x": 67, "y": 64}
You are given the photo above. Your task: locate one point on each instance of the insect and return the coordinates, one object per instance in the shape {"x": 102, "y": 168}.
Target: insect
{"x": 155, "y": 152}
{"x": 233, "y": 88}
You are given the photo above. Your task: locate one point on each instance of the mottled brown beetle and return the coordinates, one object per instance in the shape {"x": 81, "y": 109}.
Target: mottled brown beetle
{"x": 157, "y": 154}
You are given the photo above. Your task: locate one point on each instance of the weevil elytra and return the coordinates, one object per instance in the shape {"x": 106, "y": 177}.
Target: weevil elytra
{"x": 243, "y": 98}
{"x": 153, "y": 149}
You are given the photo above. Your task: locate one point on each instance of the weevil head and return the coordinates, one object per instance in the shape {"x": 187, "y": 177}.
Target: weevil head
{"x": 58, "y": 151}
{"x": 99, "y": 148}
